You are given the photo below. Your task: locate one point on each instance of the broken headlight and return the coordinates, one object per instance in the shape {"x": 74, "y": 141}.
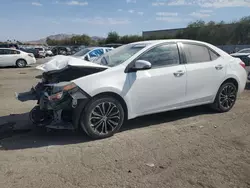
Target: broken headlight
{"x": 58, "y": 90}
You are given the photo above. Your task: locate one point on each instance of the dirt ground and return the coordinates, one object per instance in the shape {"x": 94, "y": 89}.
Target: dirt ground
{"x": 186, "y": 148}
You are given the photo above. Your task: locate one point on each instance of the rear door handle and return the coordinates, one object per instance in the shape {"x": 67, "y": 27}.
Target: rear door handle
{"x": 179, "y": 73}
{"x": 218, "y": 67}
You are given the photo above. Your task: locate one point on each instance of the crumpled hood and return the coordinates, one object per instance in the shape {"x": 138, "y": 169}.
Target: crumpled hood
{"x": 60, "y": 61}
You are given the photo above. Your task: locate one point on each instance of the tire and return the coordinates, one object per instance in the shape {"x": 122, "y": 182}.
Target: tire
{"x": 20, "y": 63}
{"x": 225, "y": 98}
{"x": 99, "y": 124}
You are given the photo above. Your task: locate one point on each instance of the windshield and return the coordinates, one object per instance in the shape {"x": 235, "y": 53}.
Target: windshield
{"x": 81, "y": 52}
{"x": 119, "y": 55}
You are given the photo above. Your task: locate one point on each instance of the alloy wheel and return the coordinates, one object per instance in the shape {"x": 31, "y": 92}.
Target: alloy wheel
{"x": 227, "y": 96}
{"x": 21, "y": 63}
{"x": 105, "y": 118}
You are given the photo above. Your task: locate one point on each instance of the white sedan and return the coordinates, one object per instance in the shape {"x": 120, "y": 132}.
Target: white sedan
{"x": 13, "y": 57}
{"x": 138, "y": 79}
{"x": 155, "y": 76}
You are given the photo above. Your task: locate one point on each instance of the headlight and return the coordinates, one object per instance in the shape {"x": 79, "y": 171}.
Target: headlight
{"x": 59, "y": 89}
{"x": 69, "y": 87}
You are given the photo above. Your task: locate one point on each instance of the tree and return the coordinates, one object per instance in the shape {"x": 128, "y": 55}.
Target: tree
{"x": 113, "y": 37}
{"x": 130, "y": 38}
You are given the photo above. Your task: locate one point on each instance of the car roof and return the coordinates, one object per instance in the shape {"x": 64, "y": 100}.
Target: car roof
{"x": 168, "y": 40}
{"x": 9, "y": 49}
{"x": 156, "y": 42}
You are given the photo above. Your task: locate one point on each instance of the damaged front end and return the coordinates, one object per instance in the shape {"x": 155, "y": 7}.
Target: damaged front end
{"x": 59, "y": 101}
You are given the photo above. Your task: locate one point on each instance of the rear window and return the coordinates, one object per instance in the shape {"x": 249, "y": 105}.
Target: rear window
{"x": 213, "y": 55}
{"x": 196, "y": 53}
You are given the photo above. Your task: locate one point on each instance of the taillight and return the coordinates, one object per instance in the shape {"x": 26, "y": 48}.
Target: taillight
{"x": 243, "y": 64}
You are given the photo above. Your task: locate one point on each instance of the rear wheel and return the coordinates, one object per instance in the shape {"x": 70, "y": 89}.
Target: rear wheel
{"x": 226, "y": 97}
{"x": 102, "y": 117}
{"x": 20, "y": 63}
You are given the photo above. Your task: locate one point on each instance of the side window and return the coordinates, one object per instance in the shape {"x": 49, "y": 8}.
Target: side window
{"x": 163, "y": 55}
{"x": 7, "y": 52}
{"x": 196, "y": 53}
{"x": 1, "y": 52}
{"x": 96, "y": 53}
{"x": 107, "y": 50}
{"x": 213, "y": 55}
{"x": 14, "y": 52}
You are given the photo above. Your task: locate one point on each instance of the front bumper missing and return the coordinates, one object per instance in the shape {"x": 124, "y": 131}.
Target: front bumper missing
{"x": 72, "y": 101}
{"x": 27, "y": 96}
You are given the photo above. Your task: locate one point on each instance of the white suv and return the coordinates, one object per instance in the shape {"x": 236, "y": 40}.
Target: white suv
{"x": 41, "y": 51}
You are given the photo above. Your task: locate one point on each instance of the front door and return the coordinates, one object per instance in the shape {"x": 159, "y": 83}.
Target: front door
{"x": 205, "y": 72}
{"x": 163, "y": 86}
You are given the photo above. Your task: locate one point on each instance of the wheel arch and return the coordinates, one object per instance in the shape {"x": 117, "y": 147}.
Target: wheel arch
{"x": 20, "y": 59}
{"x": 232, "y": 80}
{"x": 116, "y": 96}
{"x": 228, "y": 79}
{"x": 77, "y": 112}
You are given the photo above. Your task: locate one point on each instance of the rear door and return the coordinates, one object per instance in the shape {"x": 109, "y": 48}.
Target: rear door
{"x": 8, "y": 57}
{"x": 205, "y": 72}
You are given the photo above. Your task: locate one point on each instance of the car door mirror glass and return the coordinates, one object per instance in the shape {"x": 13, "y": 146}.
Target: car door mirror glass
{"x": 86, "y": 58}
{"x": 142, "y": 65}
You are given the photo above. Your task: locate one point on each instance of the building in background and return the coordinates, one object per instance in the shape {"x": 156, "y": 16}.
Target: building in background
{"x": 162, "y": 33}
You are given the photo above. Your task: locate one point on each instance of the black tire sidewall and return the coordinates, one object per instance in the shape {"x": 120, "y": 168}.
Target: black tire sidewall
{"x": 218, "y": 105}
{"x": 84, "y": 120}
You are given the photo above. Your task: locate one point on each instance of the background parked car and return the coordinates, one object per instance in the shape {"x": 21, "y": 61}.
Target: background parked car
{"x": 61, "y": 50}
{"x": 48, "y": 52}
{"x": 9, "y": 45}
{"x": 42, "y": 52}
{"x": 113, "y": 45}
{"x": 13, "y": 57}
{"x": 34, "y": 51}
{"x": 244, "y": 55}
{"x": 75, "y": 49}
{"x": 91, "y": 53}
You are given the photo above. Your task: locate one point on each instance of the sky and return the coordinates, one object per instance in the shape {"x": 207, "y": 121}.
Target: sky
{"x": 35, "y": 19}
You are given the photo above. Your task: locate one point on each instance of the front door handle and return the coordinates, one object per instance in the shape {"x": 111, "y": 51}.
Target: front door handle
{"x": 179, "y": 73}
{"x": 218, "y": 67}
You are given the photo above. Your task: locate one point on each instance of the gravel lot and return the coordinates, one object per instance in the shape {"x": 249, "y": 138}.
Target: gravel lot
{"x": 186, "y": 148}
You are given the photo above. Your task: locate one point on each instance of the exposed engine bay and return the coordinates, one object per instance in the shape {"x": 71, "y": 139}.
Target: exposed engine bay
{"x": 58, "y": 99}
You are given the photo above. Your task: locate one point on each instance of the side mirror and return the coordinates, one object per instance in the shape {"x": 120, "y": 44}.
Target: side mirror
{"x": 86, "y": 58}
{"x": 138, "y": 65}
{"x": 141, "y": 65}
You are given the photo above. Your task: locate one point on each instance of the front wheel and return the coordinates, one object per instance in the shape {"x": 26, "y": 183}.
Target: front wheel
{"x": 102, "y": 117}
{"x": 225, "y": 98}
